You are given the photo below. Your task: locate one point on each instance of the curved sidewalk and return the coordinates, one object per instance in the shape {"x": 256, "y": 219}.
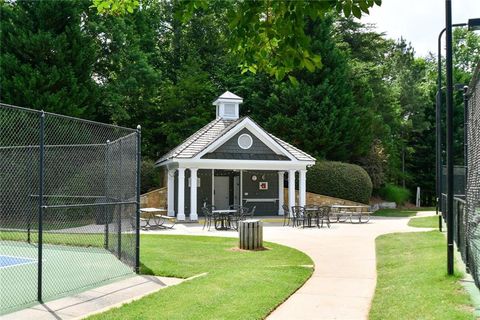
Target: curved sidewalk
{"x": 343, "y": 283}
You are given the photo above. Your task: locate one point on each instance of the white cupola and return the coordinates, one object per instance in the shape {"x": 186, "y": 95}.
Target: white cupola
{"x": 228, "y": 105}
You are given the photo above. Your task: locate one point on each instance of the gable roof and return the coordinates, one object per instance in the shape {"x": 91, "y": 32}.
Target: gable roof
{"x": 204, "y": 137}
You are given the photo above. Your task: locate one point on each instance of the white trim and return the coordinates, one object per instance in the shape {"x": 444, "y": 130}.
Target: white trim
{"x": 171, "y": 192}
{"x": 243, "y": 164}
{"x": 281, "y": 197}
{"x": 250, "y": 142}
{"x": 291, "y": 190}
{"x": 181, "y": 195}
{"x": 193, "y": 194}
{"x": 302, "y": 193}
{"x": 255, "y": 130}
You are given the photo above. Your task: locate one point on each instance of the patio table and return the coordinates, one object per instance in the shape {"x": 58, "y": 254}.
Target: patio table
{"x": 224, "y": 218}
{"x": 311, "y": 213}
{"x": 351, "y": 210}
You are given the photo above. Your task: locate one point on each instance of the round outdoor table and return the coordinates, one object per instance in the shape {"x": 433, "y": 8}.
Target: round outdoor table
{"x": 223, "y": 214}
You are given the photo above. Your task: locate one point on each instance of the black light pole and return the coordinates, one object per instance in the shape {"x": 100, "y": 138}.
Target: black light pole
{"x": 449, "y": 67}
{"x": 438, "y": 124}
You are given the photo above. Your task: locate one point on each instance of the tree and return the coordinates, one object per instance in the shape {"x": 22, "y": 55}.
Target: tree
{"x": 319, "y": 114}
{"x": 47, "y": 58}
{"x": 265, "y": 35}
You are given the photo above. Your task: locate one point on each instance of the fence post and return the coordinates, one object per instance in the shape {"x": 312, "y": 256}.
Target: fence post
{"x": 120, "y": 213}
{"x": 137, "y": 213}
{"x": 40, "y": 206}
{"x": 106, "y": 209}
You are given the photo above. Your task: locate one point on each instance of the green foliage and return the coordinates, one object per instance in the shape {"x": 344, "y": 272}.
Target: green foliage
{"x": 265, "y": 35}
{"x": 46, "y": 58}
{"x": 149, "y": 175}
{"x": 395, "y": 194}
{"x": 340, "y": 180}
{"x": 319, "y": 114}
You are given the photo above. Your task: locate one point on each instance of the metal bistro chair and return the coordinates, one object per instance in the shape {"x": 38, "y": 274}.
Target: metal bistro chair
{"x": 324, "y": 215}
{"x": 287, "y": 217}
{"x": 239, "y": 215}
{"x": 208, "y": 215}
{"x": 298, "y": 216}
{"x": 250, "y": 213}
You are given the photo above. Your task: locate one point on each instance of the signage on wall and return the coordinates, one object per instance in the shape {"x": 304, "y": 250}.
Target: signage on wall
{"x": 263, "y": 185}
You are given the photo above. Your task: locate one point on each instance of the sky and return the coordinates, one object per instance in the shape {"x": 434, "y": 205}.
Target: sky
{"x": 419, "y": 21}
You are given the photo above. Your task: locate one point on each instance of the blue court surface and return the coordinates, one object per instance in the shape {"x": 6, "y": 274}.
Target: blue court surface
{"x": 9, "y": 261}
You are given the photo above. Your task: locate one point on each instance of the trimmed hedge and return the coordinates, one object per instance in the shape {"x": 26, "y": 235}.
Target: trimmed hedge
{"x": 340, "y": 180}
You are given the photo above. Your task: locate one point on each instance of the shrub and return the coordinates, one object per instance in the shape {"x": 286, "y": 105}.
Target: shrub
{"x": 340, "y": 180}
{"x": 395, "y": 193}
{"x": 149, "y": 175}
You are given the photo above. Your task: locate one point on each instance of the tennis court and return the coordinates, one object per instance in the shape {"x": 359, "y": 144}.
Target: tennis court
{"x": 66, "y": 270}
{"x": 69, "y": 204}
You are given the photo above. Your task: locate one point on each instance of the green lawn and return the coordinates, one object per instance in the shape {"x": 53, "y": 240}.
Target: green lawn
{"x": 68, "y": 239}
{"x": 412, "y": 282}
{"x": 400, "y": 212}
{"x": 239, "y": 284}
{"x": 424, "y": 222}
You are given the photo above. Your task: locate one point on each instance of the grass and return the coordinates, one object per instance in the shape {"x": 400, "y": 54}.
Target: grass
{"x": 238, "y": 284}
{"x": 412, "y": 282}
{"x": 400, "y": 212}
{"x": 424, "y": 222}
{"x": 68, "y": 239}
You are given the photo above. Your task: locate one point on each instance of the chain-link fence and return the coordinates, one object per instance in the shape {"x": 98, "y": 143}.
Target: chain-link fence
{"x": 472, "y": 203}
{"x": 69, "y": 205}
{"x": 466, "y": 207}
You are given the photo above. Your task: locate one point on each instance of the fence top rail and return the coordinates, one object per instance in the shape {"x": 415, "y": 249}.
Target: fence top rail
{"x": 65, "y": 117}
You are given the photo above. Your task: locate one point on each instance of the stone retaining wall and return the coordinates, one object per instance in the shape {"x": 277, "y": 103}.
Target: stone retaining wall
{"x": 158, "y": 199}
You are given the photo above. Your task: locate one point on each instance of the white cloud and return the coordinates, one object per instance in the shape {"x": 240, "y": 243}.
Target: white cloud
{"x": 419, "y": 21}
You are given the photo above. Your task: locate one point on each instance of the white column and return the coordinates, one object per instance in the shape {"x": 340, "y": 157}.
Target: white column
{"x": 193, "y": 194}
{"x": 280, "y": 192}
{"x": 302, "y": 190}
{"x": 171, "y": 193}
{"x": 291, "y": 189}
{"x": 181, "y": 195}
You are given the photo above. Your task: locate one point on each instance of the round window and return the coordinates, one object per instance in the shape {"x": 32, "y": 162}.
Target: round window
{"x": 245, "y": 141}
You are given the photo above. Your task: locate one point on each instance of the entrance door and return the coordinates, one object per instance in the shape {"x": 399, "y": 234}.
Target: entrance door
{"x": 222, "y": 191}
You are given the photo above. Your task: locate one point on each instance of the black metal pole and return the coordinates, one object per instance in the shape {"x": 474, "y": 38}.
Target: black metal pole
{"x": 106, "y": 210}
{"x": 438, "y": 122}
{"x": 450, "y": 220}
{"x": 120, "y": 213}
{"x": 41, "y": 184}
{"x": 465, "y": 135}
{"x": 137, "y": 213}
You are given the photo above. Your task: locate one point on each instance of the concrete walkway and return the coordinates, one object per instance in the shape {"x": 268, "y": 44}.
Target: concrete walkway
{"x": 94, "y": 301}
{"x": 343, "y": 283}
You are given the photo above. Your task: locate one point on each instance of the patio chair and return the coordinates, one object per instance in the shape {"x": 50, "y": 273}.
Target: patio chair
{"x": 208, "y": 216}
{"x": 251, "y": 212}
{"x": 237, "y": 216}
{"x": 298, "y": 216}
{"x": 324, "y": 215}
{"x": 287, "y": 217}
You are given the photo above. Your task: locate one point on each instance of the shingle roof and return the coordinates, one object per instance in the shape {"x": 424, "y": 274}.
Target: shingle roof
{"x": 201, "y": 139}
